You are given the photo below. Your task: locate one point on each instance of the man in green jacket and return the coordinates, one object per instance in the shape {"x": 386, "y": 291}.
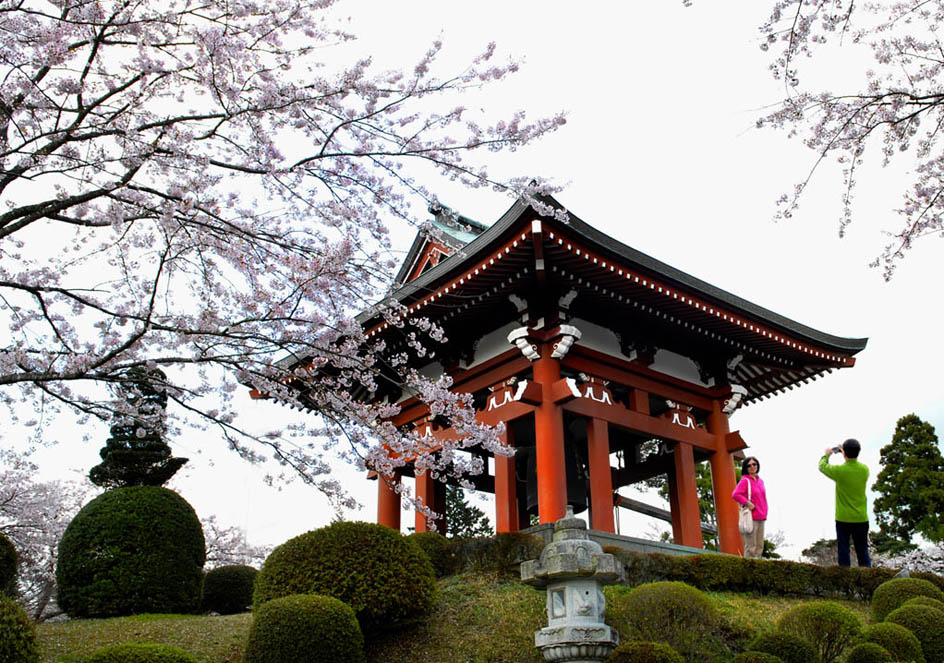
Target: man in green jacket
{"x": 852, "y": 516}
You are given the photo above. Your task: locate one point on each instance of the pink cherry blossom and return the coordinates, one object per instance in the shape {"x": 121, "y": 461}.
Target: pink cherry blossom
{"x": 200, "y": 187}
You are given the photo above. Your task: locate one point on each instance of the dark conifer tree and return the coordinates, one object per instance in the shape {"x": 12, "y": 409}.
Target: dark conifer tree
{"x": 910, "y": 485}
{"x": 136, "y": 453}
{"x": 464, "y": 520}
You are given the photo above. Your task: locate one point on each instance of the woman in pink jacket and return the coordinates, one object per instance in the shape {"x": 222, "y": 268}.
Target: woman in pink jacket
{"x": 753, "y": 542}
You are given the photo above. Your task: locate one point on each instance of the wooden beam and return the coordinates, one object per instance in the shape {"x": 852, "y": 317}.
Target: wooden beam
{"x": 630, "y": 374}
{"x": 656, "y": 512}
{"x": 663, "y": 429}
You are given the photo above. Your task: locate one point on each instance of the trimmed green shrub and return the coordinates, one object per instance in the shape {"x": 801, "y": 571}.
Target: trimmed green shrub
{"x": 438, "y": 549}
{"x": 305, "y": 629}
{"x": 644, "y": 652}
{"x": 228, "y": 589}
{"x": 928, "y": 626}
{"x": 8, "y": 562}
{"x": 728, "y": 573}
{"x": 131, "y": 550}
{"x": 828, "y": 626}
{"x": 756, "y": 657}
{"x": 17, "y": 635}
{"x": 934, "y": 579}
{"x": 869, "y": 652}
{"x": 501, "y": 554}
{"x": 141, "y": 653}
{"x": 789, "y": 647}
{"x": 893, "y": 594}
{"x": 765, "y": 576}
{"x": 712, "y": 572}
{"x": 372, "y": 568}
{"x": 670, "y": 612}
{"x": 650, "y": 567}
{"x": 902, "y": 643}
{"x": 925, "y": 600}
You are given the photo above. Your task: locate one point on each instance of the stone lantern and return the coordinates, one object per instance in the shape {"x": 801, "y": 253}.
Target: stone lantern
{"x": 573, "y": 568}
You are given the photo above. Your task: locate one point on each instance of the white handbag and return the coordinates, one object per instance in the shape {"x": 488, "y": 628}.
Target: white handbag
{"x": 745, "y": 520}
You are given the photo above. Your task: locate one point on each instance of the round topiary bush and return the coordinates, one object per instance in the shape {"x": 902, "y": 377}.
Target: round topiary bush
{"x": 928, "y": 626}
{"x": 869, "y": 652}
{"x": 8, "y": 561}
{"x": 669, "y": 612}
{"x": 903, "y": 645}
{"x": 756, "y": 657}
{"x": 131, "y": 550}
{"x": 306, "y": 627}
{"x": 893, "y": 593}
{"x": 17, "y": 635}
{"x": 830, "y": 627}
{"x": 925, "y": 600}
{"x": 141, "y": 653}
{"x": 437, "y": 548}
{"x": 645, "y": 652}
{"x": 372, "y": 568}
{"x": 789, "y": 647}
{"x": 228, "y": 589}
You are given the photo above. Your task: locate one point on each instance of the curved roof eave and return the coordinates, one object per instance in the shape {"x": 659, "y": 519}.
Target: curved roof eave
{"x": 480, "y": 244}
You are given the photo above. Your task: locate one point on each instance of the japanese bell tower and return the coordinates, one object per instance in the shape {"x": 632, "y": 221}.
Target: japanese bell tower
{"x": 607, "y": 366}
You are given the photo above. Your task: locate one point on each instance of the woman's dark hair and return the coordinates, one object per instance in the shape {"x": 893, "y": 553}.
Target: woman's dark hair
{"x": 851, "y": 448}
{"x": 746, "y": 461}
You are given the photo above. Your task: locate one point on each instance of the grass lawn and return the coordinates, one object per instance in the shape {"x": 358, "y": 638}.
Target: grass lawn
{"x": 478, "y": 620}
{"x": 217, "y": 639}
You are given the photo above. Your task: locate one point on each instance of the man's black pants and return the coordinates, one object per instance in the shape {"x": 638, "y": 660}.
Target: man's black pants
{"x": 860, "y": 539}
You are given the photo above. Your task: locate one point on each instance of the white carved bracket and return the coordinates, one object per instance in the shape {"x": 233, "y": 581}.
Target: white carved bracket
{"x": 737, "y": 395}
{"x": 568, "y": 299}
{"x": 589, "y": 390}
{"x": 507, "y": 396}
{"x": 681, "y": 414}
{"x": 519, "y": 303}
{"x": 689, "y": 420}
{"x": 570, "y": 334}
{"x": 519, "y": 337}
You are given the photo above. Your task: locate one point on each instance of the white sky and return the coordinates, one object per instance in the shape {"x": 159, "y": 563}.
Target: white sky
{"x": 660, "y": 152}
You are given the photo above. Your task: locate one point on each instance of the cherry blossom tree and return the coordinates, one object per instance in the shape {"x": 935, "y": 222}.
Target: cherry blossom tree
{"x": 206, "y": 188}
{"x": 34, "y": 515}
{"x": 896, "y": 110}
{"x": 228, "y": 546}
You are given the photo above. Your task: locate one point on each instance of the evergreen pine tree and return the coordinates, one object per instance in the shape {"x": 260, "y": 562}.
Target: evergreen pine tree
{"x": 136, "y": 453}
{"x": 910, "y": 485}
{"x": 464, "y": 520}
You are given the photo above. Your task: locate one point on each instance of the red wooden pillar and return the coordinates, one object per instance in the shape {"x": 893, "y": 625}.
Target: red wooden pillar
{"x": 425, "y": 493}
{"x": 601, "y": 481}
{"x": 388, "y": 501}
{"x": 674, "y": 507}
{"x": 686, "y": 494}
{"x": 549, "y": 438}
{"x": 722, "y": 483}
{"x": 506, "y": 497}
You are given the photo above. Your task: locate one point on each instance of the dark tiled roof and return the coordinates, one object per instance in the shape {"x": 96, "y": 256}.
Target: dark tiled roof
{"x": 520, "y": 213}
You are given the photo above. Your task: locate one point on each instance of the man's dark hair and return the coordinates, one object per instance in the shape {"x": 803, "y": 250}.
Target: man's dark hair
{"x": 851, "y": 448}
